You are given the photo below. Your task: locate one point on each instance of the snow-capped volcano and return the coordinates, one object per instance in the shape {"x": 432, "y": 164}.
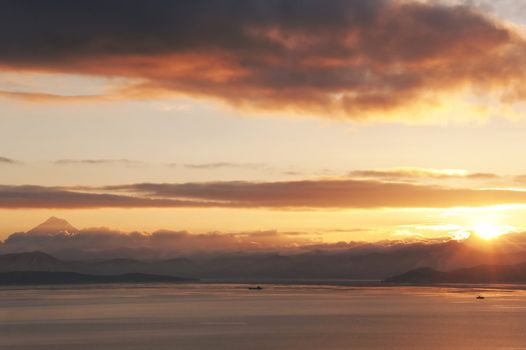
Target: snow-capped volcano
{"x": 53, "y": 225}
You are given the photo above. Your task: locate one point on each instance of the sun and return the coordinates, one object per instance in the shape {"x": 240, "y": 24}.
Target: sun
{"x": 488, "y": 231}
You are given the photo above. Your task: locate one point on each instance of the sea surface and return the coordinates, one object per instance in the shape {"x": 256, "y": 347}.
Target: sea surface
{"x": 230, "y": 317}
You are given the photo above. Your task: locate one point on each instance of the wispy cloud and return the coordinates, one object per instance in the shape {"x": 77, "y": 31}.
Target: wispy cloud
{"x": 48, "y": 97}
{"x": 219, "y": 165}
{"x": 422, "y": 173}
{"x": 5, "y": 160}
{"x": 125, "y": 162}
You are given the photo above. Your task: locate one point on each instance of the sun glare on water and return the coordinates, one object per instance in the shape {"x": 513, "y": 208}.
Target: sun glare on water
{"x": 488, "y": 231}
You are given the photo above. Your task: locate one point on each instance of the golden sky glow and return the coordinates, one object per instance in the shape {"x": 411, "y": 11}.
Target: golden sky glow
{"x": 326, "y": 127}
{"x": 488, "y": 231}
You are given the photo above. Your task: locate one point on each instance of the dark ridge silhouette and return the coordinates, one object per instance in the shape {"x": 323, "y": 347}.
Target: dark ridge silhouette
{"x": 57, "y": 246}
{"x": 98, "y": 251}
{"x": 376, "y": 265}
{"x": 31, "y": 261}
{"x": 479, "y": 274}
{"x": 47, "y": 278}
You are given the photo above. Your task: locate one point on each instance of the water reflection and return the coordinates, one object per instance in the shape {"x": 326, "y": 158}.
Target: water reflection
{"x": 229, "y": 316}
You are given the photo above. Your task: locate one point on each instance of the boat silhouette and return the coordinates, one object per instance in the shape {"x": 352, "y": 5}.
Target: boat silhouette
{"x": 480, "y": 297}
{"x": 255, "y": 288}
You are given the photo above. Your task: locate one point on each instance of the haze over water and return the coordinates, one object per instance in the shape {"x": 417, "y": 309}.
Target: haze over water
{"x": 229, "y": 316}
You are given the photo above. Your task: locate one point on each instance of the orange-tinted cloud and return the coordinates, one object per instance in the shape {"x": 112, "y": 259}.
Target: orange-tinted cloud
{"x": 325, "y": 194}
{"x": 101, "y": 239}
{"x": 13, "y": 197}
{"x": 46, "y": 97}
{"x": 307, "y": 194}
{"x": 421, "y": 173}
{"x": 63, "y": 239}
{"x": 338, "y": 58}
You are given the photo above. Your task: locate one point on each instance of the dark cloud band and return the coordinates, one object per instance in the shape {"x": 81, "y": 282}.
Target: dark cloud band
{"x": 332, "y": 57}
{"x": 315, "y": 194}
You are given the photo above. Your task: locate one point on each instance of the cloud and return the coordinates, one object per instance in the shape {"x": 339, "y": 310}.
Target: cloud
{"x": 422, "y": 173}
{"x": 63, "y": 239}
{"x": 5, "y": 160}
{"x": 162, "y": 242}
{"x": 125, "y": 162}
{"x": 306, "y": 194}
{"x": 47, "y": 97}
{"x": 219, "y": 165}
{"x": 339, "y": 58}
{"x": 293, "y": 173}
{"x": 326, "y": 194}
{"x": 13, "y": 197}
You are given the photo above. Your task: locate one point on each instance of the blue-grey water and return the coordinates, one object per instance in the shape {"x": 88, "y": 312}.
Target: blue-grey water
{"x": 230, "y": 317}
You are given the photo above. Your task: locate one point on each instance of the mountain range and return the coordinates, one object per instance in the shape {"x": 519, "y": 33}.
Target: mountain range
{"x": 478, "y": 274}
{"x": 42, "y": 249}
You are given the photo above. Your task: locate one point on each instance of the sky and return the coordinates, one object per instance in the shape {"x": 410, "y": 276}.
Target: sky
{"x": 333, "y": 120}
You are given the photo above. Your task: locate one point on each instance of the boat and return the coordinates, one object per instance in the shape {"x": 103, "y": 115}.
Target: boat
{"x": 480, "y": 297}
{"x": 255, "y": 288}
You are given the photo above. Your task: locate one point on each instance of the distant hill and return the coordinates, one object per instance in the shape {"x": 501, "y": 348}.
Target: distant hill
{"x": 46, "y": 278}
{"x": 479, "y": 274}
{"x": 250, "y": 266}
{"x": 31, "y": 261}
{"x": 315, "y": 265}
{"x": 42, "y": 268}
